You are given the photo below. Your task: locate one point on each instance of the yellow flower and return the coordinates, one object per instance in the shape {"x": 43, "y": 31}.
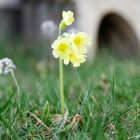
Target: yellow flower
{"x": 71, "y": 48}
{"x": 77, "y": 59}
{"x": 61, "y": 48}
{"x": 80, "y": 41}
{"x": 70, "y": 54}
{"x": 67, "y": 17}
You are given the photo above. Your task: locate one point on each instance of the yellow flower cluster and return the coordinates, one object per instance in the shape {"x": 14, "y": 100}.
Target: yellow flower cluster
{"x": 71, "y": 47}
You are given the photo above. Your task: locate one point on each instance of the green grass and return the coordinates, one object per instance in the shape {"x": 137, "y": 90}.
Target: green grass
{"x": 106, "y": 94}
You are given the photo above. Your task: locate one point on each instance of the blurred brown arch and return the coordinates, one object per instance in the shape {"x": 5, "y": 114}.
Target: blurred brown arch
{"x": 116, "y": 33}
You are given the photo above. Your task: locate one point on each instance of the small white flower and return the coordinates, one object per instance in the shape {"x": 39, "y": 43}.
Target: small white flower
{"x": 6, "y": 66}
{"x": 48, "y": 28}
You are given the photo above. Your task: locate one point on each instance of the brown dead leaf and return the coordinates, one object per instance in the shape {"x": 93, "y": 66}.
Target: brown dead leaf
{"x": 77, "y": 119}
{"x": 57, "y": 118}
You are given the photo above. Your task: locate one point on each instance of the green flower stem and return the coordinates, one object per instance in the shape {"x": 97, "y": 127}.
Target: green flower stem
{"x": 61, "y": 77}
{"x": 61, "y": 87}
{"x": 17, "y": 86}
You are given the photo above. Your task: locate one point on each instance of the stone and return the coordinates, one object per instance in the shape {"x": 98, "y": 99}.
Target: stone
{"x": 91, "y": 19}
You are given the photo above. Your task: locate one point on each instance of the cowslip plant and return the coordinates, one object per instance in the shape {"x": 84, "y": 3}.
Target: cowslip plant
{"x": 69, "y": 48}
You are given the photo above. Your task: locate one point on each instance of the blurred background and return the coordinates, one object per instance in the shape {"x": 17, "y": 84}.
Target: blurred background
{"x": 113, "y": 25}
{"x": 23, "y": 18}
{"x": 105, "y": 92}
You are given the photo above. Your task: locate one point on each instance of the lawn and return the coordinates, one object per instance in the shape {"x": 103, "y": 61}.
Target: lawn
{"x": 102, "y": 98}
